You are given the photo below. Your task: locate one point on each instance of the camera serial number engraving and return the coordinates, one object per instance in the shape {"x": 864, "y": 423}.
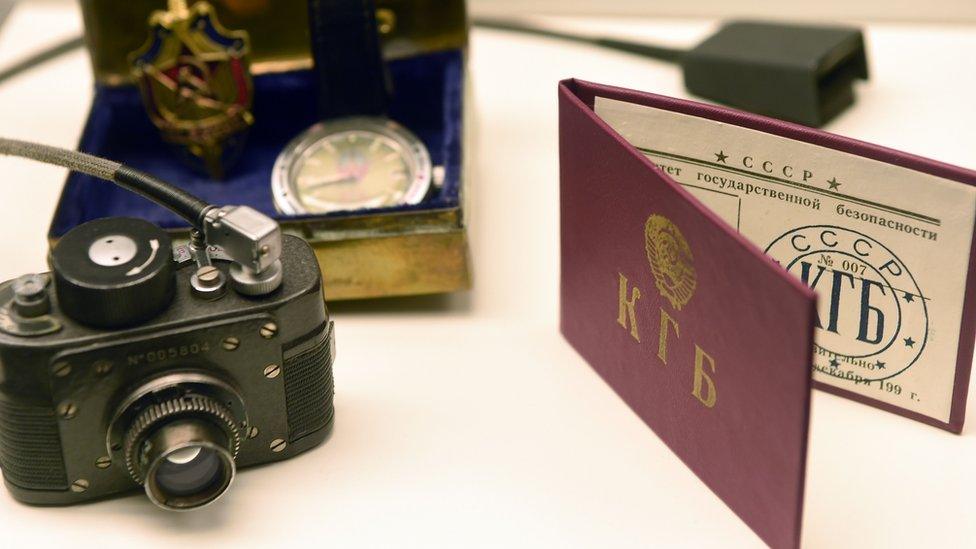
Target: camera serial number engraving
{"x": 168, "y": 353}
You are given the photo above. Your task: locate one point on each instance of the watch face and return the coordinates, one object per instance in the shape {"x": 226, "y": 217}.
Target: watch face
{"x": 351, "y": 164}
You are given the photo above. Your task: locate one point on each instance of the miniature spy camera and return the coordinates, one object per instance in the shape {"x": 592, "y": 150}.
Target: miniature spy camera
{"x": 134, "y": 363}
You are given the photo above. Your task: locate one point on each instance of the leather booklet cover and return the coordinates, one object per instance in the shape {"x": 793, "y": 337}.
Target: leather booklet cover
{"x": 716, "y": 265}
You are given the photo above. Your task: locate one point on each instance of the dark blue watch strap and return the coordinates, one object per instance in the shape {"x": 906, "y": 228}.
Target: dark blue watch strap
{"x": 349, "y": 66}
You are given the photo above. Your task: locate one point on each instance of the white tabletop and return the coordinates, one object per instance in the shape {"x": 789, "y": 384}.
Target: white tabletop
{"x": 468, "y": 421}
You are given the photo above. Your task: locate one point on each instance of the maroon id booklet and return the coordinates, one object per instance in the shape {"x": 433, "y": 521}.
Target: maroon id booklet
{"x": 716, "y": 265}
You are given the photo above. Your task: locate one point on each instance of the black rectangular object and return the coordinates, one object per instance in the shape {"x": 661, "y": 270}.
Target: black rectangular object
{"x": 798, "y": 73}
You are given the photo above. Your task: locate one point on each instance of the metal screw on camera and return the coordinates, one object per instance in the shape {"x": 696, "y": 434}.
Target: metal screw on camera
{"x": 231, "y": 344}
{"x": 68, "y": 410}
{"x": 209, "y": 275}
{"x": 278, "y": 445}
{"x": 208, "y": 282}
{"x": 103, "y": 462}
{"x": 62, "y": 369}
{"x": 80, "y": 485}
{"x": 272, "y": 371}
{"x": 269, "y": 330}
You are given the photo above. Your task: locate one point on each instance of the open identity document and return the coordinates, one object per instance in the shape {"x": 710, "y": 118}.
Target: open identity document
{"x": 717, "y": 265}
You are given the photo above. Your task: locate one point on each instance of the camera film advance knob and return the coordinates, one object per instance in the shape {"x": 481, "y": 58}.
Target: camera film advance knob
{"x": 114, "y": 272}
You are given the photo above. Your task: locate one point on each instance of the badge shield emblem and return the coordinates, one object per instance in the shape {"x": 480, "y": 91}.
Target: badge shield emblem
{"x": 196, "y": 84}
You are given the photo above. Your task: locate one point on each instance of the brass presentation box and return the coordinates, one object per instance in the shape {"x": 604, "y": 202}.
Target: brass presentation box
{"x": 363, "y": 254}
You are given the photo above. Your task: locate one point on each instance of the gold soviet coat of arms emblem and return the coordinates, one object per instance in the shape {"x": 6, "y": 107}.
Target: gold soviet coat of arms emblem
{"x": 196, "y": 83}
{"x": 672, "y": 262}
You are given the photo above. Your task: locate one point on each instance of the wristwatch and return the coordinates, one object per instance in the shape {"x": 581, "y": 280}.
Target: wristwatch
{"x": 356, "y": 158}
{"x": 351, "y": 163}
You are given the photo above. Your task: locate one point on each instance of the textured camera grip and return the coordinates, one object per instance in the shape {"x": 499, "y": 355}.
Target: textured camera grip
{"x": 309, "y": 384}
{"x": 30, "y": 447}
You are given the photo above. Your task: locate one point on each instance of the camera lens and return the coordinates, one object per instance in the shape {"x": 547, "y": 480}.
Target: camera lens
{"x": 187, "y": 463}
{"x": 189, "y": 471}
{"x": 194, "y": 474}
{"x": 183, "y": 451}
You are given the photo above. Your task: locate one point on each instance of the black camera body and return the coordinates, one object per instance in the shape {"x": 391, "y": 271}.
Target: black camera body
{"x": 177, "y": 390}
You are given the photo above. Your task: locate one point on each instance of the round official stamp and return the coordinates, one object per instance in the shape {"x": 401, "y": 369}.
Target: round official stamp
{"x": 872, "y": 317}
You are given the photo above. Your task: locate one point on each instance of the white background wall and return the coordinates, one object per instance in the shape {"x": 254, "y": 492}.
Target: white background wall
{"x": 941, "y": 11}
{"x": 946, "y": 11}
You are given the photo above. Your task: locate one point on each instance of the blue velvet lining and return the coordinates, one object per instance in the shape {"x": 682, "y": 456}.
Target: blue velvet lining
{"x": 427, "y": 99}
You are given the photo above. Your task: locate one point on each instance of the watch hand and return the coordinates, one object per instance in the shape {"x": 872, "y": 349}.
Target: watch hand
{"x": 334, "y": 180}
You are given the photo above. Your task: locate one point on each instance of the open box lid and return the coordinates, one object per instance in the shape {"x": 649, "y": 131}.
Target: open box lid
{"x": 665, "y": 292}
{"x": 278, "y": 31}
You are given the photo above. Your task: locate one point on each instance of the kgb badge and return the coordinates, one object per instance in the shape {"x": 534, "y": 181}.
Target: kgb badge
{"x": 196, "y": 83}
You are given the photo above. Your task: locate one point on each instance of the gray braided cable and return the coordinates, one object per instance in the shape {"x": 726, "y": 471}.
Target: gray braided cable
{"x": 175, "y": 199}
{"x": 73, "y": 160}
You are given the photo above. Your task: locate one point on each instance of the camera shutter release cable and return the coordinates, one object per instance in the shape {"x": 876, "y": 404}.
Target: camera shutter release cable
{"x": 249, "y": 238}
